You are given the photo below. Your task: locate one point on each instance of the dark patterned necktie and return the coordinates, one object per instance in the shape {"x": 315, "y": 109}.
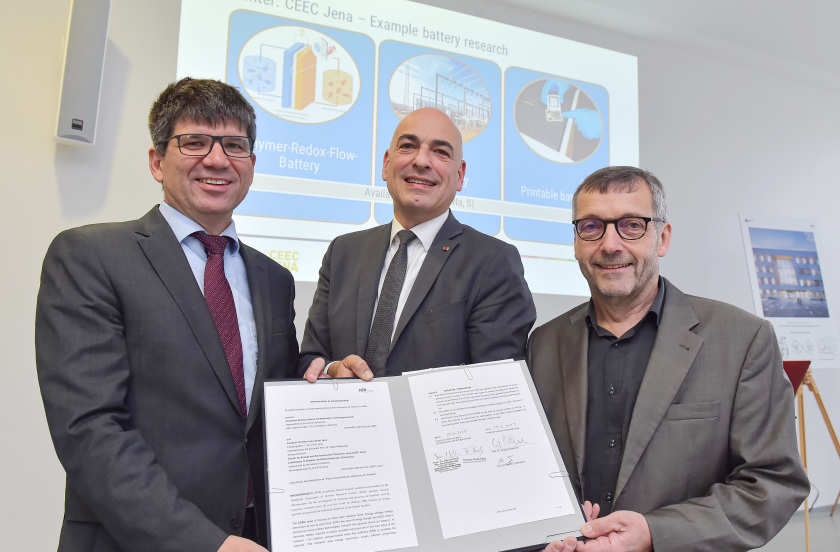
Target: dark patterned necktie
{"x": 219, "y": 299}
{"x": 379, "y": 340}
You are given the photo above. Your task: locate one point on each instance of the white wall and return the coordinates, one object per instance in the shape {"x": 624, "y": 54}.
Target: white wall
{"x": 50, "y": 187}
{"x": 722, "y": 138}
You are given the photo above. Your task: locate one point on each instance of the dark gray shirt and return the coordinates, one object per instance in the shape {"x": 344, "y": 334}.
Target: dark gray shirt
{"x": 615, "y": 370}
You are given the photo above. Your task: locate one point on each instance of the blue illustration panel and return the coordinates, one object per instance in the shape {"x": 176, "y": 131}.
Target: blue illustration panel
{"x": 312, "y": 89}
{"x": 556, "y": 134}
{"x": 468, "y": 89}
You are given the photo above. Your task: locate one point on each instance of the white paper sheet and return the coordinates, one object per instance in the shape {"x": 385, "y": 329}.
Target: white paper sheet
{"x": 336, "y": 442}
{"x": 480, "y": 424}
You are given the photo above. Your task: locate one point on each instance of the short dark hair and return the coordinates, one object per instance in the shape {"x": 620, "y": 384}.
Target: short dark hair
{"x": 623, "y": 179}
{"x": 204, "y": 101}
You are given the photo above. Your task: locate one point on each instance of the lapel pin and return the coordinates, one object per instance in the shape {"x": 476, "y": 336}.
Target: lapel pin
{"x": 446, "y": 248}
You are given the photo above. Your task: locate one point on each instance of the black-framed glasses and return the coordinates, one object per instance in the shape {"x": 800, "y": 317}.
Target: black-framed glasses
{"x": 628, "y": 228}
{"x": 196, "y": 145}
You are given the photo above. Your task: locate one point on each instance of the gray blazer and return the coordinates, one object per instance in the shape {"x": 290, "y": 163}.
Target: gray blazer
{"x": 711, "y": 457}
{"x": 470, "y": 302}
{"x": 138, "y": 393}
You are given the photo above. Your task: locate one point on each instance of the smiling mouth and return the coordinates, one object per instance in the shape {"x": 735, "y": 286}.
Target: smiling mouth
{"x": 419, "y": 181}
{"x": 613, "y": 266}
{"x": 214, "y": 181}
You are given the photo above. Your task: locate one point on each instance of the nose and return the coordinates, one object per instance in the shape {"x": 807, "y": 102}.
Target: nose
{"x": 611, "y": 241}
{"x": 217, "y": 156}
{"x": 422, "y": 159}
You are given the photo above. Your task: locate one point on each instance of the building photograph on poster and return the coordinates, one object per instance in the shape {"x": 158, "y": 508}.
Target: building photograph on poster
{"x": 789, "y": 286}
{"x": 788, "y": 272}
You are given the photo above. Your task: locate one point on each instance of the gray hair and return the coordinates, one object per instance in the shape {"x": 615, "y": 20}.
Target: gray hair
{"x": 204, "y": 101}
{"x": 623, "y": 179}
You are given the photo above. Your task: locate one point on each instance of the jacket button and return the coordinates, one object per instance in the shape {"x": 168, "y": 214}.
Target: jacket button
{"x": 236, "y": 522}
{"x": 609, "y": 497}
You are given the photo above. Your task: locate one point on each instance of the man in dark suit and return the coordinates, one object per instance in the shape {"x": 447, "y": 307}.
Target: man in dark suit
{"x": 672, "y": 412}
{"x": 152, "y": 347}
{"x": 461, "y": 296}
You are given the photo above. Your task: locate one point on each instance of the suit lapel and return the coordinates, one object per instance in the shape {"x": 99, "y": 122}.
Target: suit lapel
{"x": 160, "y": 246}
{"x": 673, "y": 354}
{"x": 573, "y": 372}
{"x": 369, "y": 262}
{"x": 258, "y": 286}
{"x": 443, "y": 246}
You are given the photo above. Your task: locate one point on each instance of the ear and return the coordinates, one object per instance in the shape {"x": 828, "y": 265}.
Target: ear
{"x": 461, "y": 172}
{"x": 577, "y": 243}
{"x": 385, "y": 161}
{"x": 664, "y": 239}
{"x": 154, "y": 164}
{"x": 253, "y": 164}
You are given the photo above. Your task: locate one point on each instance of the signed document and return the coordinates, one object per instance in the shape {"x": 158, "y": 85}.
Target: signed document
{"x": 336, "y": 477}
{"x": 487, "y": 453}
{"x": 441, "y": 460}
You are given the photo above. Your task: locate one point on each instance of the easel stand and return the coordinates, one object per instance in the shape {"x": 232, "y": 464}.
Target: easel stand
{"x": 800, "y": 402}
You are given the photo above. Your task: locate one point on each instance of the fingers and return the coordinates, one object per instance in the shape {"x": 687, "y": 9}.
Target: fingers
{"x": 591, "y": 510}
{"x": 238, "y": 544}
{"x": 631, "y": 524}
{"x": 566, "y": 545}
{"x": 352, "y": 365}
{"x": 598, "y": 527}
{"x": 315, "y": 370}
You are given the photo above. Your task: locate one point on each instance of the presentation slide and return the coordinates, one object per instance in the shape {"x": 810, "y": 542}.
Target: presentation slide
{"x": 331, "y": 80}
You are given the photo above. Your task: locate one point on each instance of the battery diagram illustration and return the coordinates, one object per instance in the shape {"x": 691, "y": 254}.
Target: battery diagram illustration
{"x": 558, "y": 120}
{"x": 299, "y": 74}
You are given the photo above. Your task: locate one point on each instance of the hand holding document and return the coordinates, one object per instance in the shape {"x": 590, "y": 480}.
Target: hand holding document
{"x": 441, "y": 460}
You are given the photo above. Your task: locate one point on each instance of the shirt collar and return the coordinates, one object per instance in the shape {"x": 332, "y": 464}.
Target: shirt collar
{"x": 183, "y": 226}
{"x": 425, "y": 231}
{"x": 655, "y": 311}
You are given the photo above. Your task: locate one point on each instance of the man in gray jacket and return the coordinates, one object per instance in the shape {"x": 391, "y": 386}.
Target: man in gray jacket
{"x": 672, "y": 412}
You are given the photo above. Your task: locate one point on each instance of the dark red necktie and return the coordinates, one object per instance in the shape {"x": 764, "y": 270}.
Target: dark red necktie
{"x": 219, "y": 299}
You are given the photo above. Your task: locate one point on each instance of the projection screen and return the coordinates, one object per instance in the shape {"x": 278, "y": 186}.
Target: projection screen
{"x": 331, "y": 80}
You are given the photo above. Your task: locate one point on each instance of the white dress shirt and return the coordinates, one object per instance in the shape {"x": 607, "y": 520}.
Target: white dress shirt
{"x": 417, "y": 249}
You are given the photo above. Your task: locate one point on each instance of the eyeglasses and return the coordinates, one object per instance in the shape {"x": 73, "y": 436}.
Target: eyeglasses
{"x": 628, "y": 228}
{"x": 196, "y": 145}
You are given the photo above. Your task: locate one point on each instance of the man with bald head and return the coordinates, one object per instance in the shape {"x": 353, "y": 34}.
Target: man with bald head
{"x": 425, "y": 290}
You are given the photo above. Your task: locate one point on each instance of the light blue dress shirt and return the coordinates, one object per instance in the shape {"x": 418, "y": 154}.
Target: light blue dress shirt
{"x": 236, "y": 276}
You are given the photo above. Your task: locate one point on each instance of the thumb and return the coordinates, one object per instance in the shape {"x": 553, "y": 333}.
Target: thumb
{"x": 359, "y": 367}
{"x": 598, "y": 527}
{"x": 315, "y": 369}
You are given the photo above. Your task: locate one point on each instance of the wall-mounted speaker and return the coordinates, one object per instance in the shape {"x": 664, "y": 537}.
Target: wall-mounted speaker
{"x": 84, "y": 61}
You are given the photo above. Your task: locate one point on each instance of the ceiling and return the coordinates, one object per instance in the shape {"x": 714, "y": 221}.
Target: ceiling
{"x": 801, "y": 36}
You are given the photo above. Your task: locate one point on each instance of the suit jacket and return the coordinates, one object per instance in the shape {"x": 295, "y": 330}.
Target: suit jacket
{"x": 470, "y": 302}
{"x": 711, "y": 457}
{"x": 139, "y": 397}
